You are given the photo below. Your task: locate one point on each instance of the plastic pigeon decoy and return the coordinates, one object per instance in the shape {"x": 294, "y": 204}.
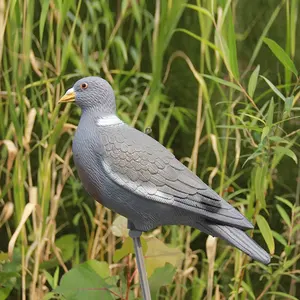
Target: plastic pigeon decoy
{"x": 132, "y": 174}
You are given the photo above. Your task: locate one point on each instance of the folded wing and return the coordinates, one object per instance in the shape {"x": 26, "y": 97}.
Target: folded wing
{"x": 140, "y": 164}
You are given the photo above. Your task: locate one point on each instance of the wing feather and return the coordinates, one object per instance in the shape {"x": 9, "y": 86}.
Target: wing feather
{"x": 142, "y": 165}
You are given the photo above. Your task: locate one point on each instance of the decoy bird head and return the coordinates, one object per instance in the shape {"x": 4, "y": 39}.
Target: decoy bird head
{"x": 92, "y": 93}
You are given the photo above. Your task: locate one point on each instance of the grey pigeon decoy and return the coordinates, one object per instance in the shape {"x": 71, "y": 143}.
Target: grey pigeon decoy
{"x": 135, "y": 176}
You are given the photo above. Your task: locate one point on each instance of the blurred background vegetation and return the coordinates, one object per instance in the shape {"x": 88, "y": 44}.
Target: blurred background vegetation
{"x": 215, "y": 80}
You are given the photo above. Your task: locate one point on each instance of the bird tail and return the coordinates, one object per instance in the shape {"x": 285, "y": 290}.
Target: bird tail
{"x": 236, "y": 237}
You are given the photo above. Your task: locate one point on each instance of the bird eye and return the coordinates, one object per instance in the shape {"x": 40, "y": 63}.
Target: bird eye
{"x": 84, "y": 86}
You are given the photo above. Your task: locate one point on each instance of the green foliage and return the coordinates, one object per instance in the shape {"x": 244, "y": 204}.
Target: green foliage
{"x": 217, "y": 86}
{"x": 266, "y": 232}
{"x": 253, "y": 81}
{"x": 85, "y": 281}
{"x": 158, "y": 254}
{"x": 119, "y": 227}
{"x": 9, "y": 273}
{"x": 281, "y": 55}
{"x": 161, "y": 277}
{"x": 127, "y": 248}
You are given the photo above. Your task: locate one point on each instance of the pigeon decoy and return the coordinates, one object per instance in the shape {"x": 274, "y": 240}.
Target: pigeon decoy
{"x": 132, "y": 174}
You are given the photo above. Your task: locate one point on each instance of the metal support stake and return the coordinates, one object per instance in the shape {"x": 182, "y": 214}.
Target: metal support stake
{"x": 135, "y": 235}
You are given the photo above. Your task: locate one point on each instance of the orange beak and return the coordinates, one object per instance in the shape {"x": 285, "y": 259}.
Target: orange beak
{"x": 69, "y": 96}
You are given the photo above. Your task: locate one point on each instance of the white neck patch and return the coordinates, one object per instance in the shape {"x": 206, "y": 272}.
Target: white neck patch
{"x": 109, "y": 120}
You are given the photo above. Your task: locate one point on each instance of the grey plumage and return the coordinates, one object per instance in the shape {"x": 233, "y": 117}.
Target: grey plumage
{"x": 135, "y": 176}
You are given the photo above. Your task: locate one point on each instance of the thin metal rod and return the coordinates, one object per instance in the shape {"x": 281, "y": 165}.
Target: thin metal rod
{"x": 135, "y": 235}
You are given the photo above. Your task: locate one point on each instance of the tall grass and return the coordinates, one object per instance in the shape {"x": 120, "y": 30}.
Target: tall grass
{"x": 220, "y": 91}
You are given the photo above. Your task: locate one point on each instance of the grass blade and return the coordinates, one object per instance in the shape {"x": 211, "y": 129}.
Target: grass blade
{"x": 233, "y": 61}
{"x": 253, "y": 81}
{"x": 281, "y": 55}
{"x": 264, "y": 33}
{"x": 274, "y": 88}
{"x": 288, "y": 152}
{"x": 284, "y": 215}
{"x": 266, "y": 233}
{"x": 45, "y": 7}
{"x": 222, "y": 81}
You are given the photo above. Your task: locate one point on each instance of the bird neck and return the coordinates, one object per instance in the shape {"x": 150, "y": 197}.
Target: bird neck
{"x": 102, "y": 111}
{"x": 99, "y": 117}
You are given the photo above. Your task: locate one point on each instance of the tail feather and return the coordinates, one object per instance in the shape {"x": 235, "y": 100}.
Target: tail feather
{"x": 238, "y": 238}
